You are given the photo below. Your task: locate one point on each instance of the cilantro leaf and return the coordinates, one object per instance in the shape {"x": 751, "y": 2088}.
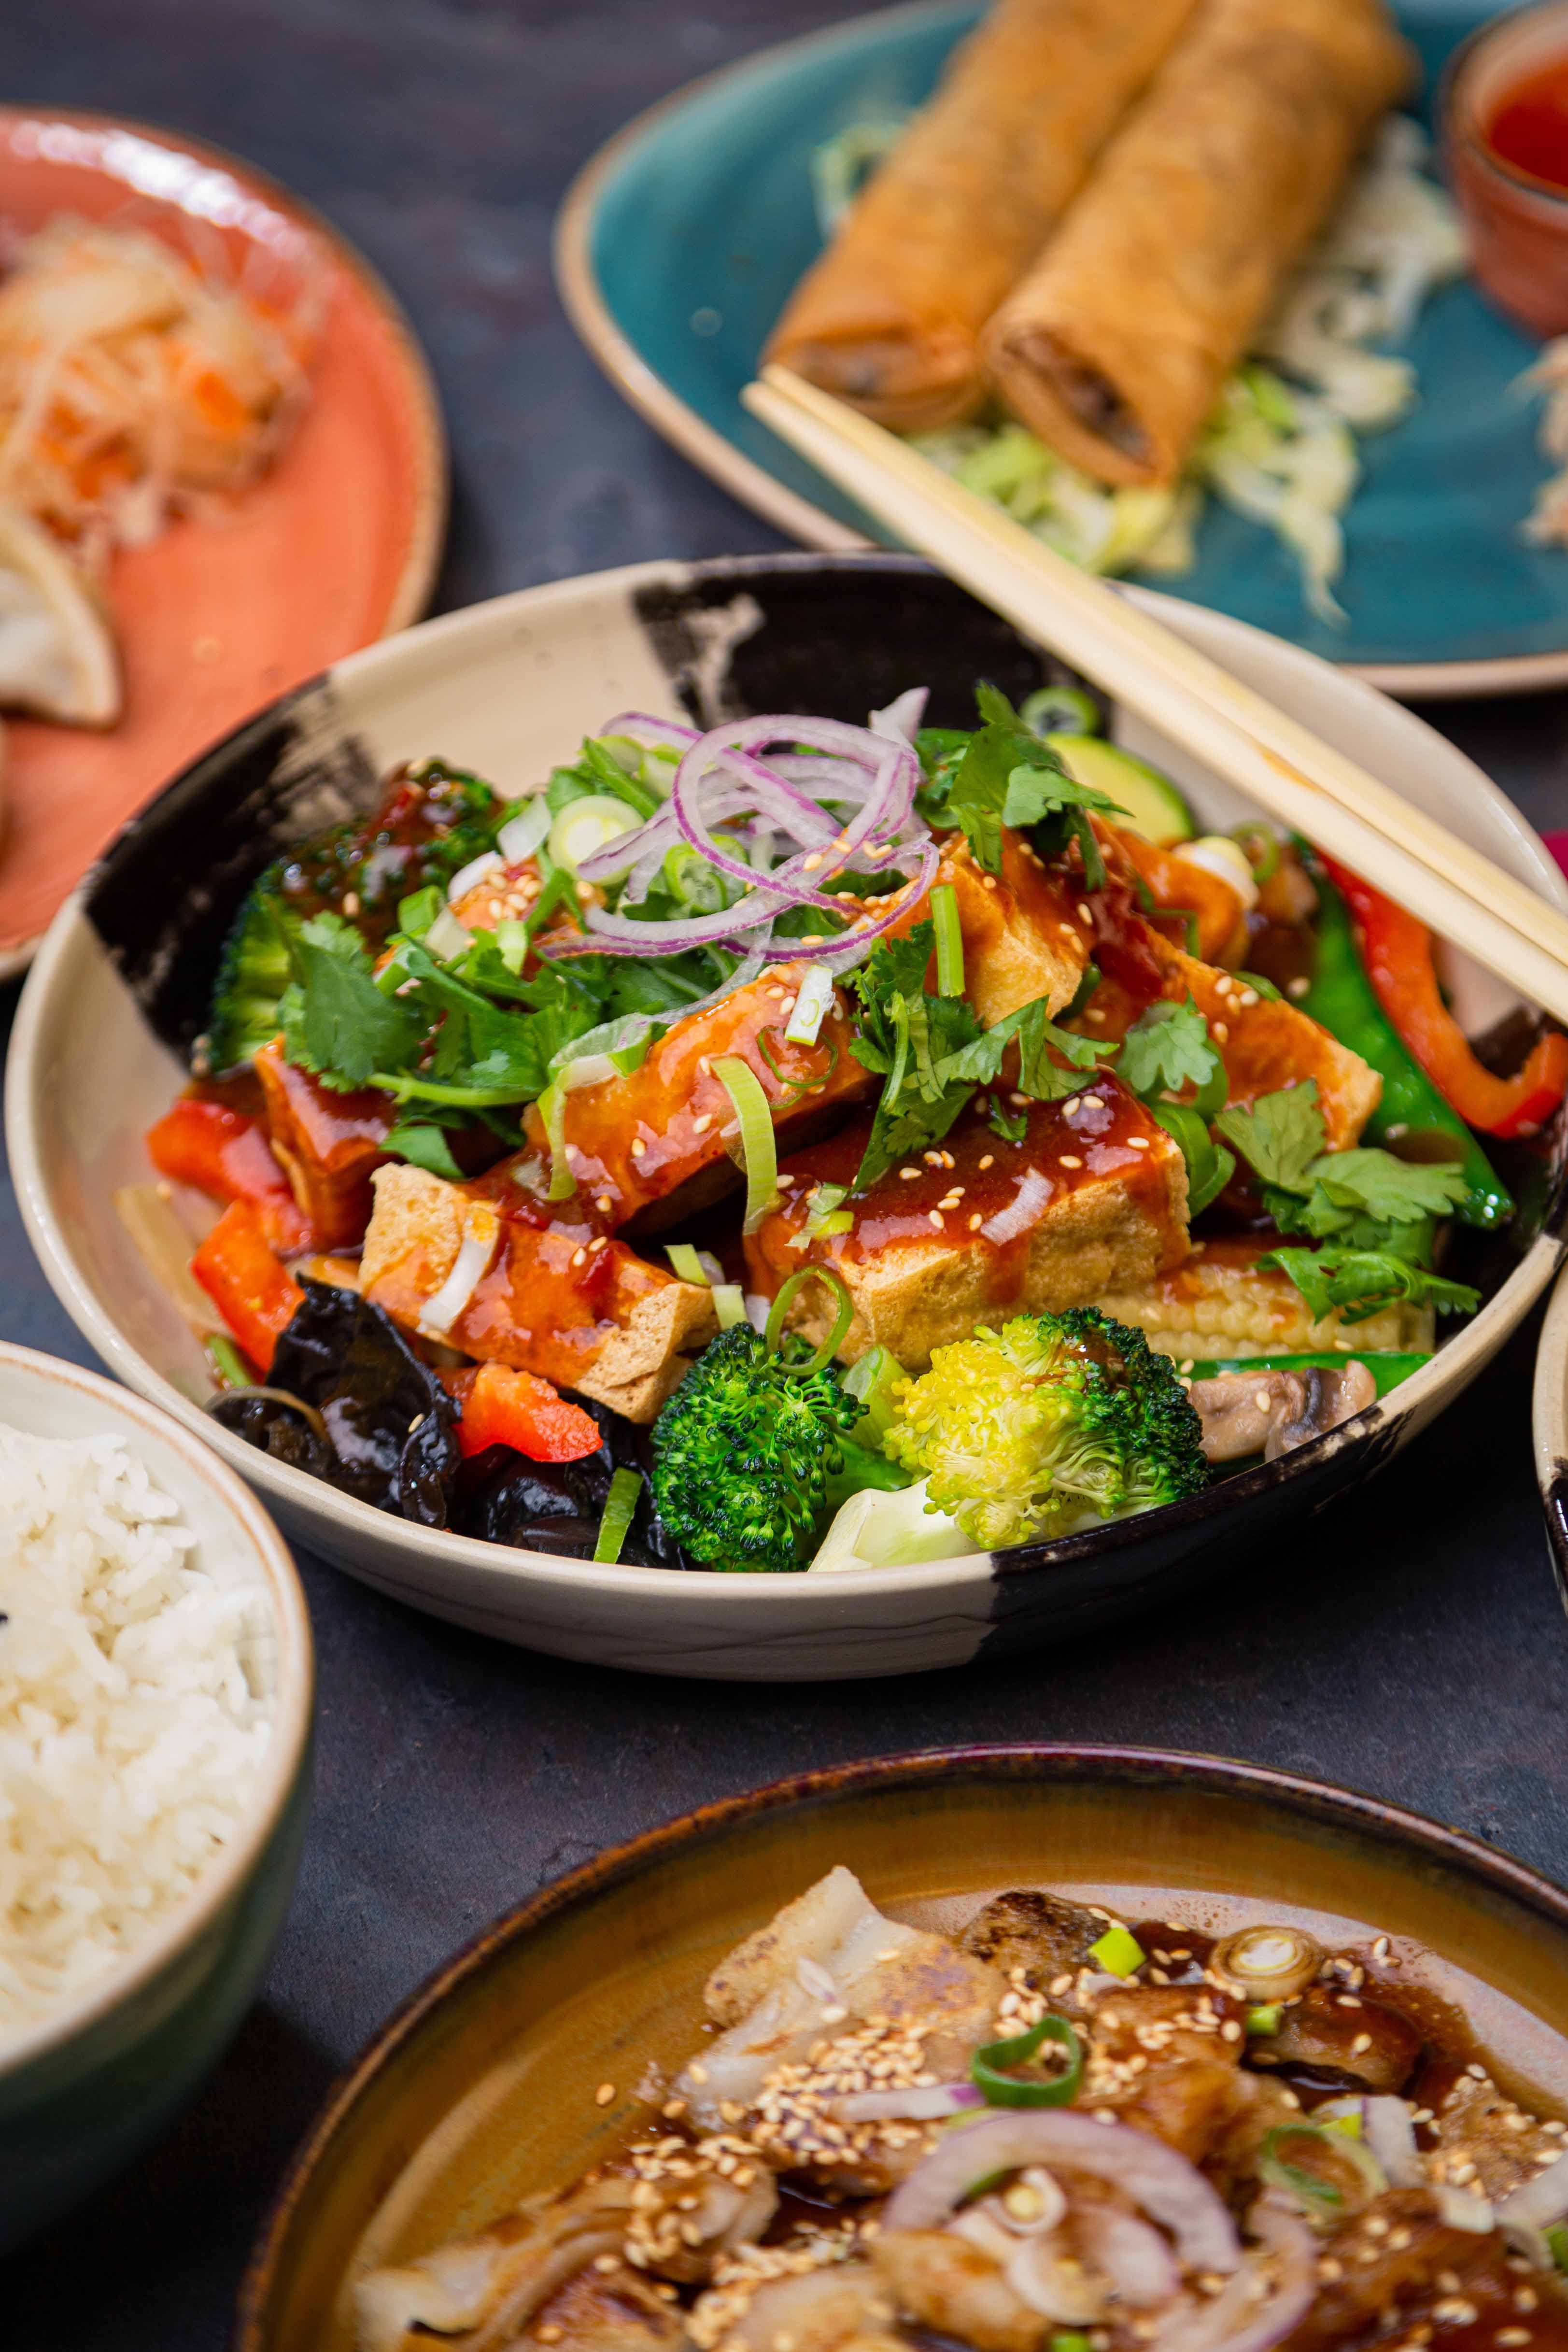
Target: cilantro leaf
{"x": 1166, "y": 1048}
{"x": 1279, "y": 1136}
{"x": 1010, "y": 1128}
{"x": 335, "y": 1020}
{"x": 907, "y": 1038}
{"x": 1361, "y": 1282}
{"x": 1037, "y": 1038}
{"x": 1395, "y": 1192}
{"x": 424, "y": 1146}
{"x": 1008, "y": 776}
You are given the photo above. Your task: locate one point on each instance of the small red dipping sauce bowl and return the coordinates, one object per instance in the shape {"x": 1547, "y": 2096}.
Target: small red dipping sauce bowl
{"x": 1505, "y": 128}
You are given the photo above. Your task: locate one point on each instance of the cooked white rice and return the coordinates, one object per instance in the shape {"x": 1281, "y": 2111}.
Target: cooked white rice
{"x": 130, "y": 1732}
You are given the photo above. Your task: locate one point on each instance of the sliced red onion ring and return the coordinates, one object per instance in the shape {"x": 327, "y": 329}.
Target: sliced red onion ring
{"x": 851, "y": 946}
{"x": 1389, "y": 2131}
{"x": 1131, "y": 2253}
{"x": 1232, "y": 2322}
{"x": 641, "y": 726}
{"x": 921, "y": 2105}
{"x": 1171, "y": 2190}
{"x": 1537, "y": 2204}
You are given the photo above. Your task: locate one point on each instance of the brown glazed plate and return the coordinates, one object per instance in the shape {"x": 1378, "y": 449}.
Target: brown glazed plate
{"x": 121, "y": 987}
{"x": 480, "y": 2089}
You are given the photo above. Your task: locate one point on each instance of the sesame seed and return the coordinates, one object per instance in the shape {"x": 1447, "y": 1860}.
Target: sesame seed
{"x": 936, "y": 1217}
{"x": 988, "y": 881}
{"x": 697, "y": 2072}
{"x": 604, "y": 1204}
{"x": 1093, "y": 1102}
{"x": 1362, "y": 2042}
{"x": 1070, "y": 1159}
{"x": 1380, "y": 1949}
{"x": 1222, "y": 1032}
{"x": 909, "y": 1174}
{"x": 1187, "y": 1362}
{"x": 578, "y": 1255}
{"x": 1138, "y": 1142}
{"x": 639, "y": 1148}
{"x": 988, "y": 1160}
{"x": 1512, "y": 2336}
{"x": 1085, "y": 914}
{"x": 605, "y": 2092}
{"x": 1298, "y": 987}
{"x": 549, "y": 2333}
{"x": 701, "y": 1124}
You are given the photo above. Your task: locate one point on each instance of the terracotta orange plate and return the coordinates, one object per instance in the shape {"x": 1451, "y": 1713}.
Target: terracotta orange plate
{"x": 336, "y": 546}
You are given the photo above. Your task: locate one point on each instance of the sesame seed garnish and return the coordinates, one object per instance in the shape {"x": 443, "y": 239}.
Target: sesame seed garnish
{"x": 701, "y": 1124}
{"x": 577, "y": 1256}
{"x": 1362, "y": 2042}
{"x": 988, "y": 1160}
{"x": 1138, "y": 1142}
{"x": 936, "y": 1217}
{"x": 605, "y": 2092}
{"x": 909, "y": 1174}
{"x": 639, "y": 1148}
{"x": 1070, "y": 1159}
{"x": 604, "y": 1204}
{"x": 1222, "y": 1032}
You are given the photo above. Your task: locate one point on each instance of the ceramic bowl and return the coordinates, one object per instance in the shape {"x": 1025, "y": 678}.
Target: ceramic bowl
{"x": 80, "y": 2092}
{"x": 509, "y": 687}
{"x": 1549, "y": 1419}
{"x": 481, "y": 2090}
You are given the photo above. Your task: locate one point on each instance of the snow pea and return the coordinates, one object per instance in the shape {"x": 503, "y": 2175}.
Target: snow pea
{"x": 1388, "y": 1366}
{"x": 1342, "y": 998}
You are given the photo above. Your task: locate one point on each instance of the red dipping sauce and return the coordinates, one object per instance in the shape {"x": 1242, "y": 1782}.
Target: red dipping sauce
{"x": 1529, "y": 128}
{"x": 1505, "y": 121}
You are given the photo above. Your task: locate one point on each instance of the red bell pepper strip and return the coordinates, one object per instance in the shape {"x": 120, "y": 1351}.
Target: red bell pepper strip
{"x": 503, "y": 1407}
{"x": 227, "y": 1155}
{"x": 1397, "y": 952}
{"x": 246, "y": 1281}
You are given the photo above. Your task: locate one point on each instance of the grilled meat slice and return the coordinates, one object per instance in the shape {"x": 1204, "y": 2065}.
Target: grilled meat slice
{"x": 827, "y": 2309}
{"x": 1034, "y": 1936}
{"x": 1387, "y": 2258}
{"x": 1166, "y": 2058}
{"x": 1479, "y": 2124}
{"x": 604, "y": 2311}
{"x": 491, "y": 2286}
{"x": 941, "y": 2282}
{"x": 559, "y": 1298}
{"x": 1093, "y": 1197}
{"x": 1373, "y": 2047}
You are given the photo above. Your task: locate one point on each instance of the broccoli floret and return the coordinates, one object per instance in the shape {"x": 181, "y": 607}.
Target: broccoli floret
{"x": 253, "y": 973}
{"x": 1025, "y": 1431}
{"x": 744, "y": 1450}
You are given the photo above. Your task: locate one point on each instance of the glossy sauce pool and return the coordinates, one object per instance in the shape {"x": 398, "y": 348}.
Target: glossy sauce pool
{"x": 1528, "y": 127}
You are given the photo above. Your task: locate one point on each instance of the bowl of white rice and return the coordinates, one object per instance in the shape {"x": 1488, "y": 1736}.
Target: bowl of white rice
{"x": 155, "y": 1706}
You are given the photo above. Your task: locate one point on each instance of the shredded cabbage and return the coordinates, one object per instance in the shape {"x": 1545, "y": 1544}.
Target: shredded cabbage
{"x": 1281, "y": 447}
{"x": 1547, "y": 524}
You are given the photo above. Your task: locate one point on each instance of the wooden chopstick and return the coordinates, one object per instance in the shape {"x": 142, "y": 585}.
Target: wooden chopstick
{"x": 1237, "y": 732}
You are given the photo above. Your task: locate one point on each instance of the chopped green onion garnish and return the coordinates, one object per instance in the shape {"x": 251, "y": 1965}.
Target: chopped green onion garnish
{"x": 815, "y": 995}
{"x": 1557, "y": 2242}
{"x": 687, "y": 1265}
{"x": 227, "y": 1362}
{"x": 1068, "y": 2339}
{"x": 871, "y": 1382}
{"x": 619, "y": 1504}
{"x": 552, "y": 1112}
{"x": 1265, "y": 988}
{"x": 728, "y": 1305}
{"x": 949, "y": 941}
{"x": 1118, "y": 1952}
{"x": 826, "y": 1213}
{"x": 774, "y": 1334}
{"x": 990, "y": 2067}
{"x": 758, "y": 1152}
{"x": 1310, "y": 2188}
{"x": 1261, "y": 847}
{"x": 1263, "y": 2017}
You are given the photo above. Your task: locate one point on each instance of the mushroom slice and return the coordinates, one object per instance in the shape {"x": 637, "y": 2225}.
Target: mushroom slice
{"x": 57, "y": 655}
{"x": 1271, "y": 1412}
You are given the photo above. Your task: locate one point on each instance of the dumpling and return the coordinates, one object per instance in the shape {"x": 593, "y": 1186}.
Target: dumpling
{"x": 58, "y": 654}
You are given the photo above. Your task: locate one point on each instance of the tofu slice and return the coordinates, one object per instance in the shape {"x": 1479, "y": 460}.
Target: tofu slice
{"x": 330, "y": 1145}
{"x": 559, "y": 1298}
{"x": 1022, "y": 938}
{"x": 1094, "y": 1197}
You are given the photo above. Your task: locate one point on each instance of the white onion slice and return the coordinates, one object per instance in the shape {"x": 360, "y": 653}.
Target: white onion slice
{"x": 447, "y": 938}
{"x": 521, "y": 834}
{"x": 469, "y": 1267}
{"x": 1131, "y": 2253}
{"x": 901, "y": 720}
{"x": 1536, "y": 2204}
{"x": 1231, "y": 2323}
{"x": 1389, "y": 2131}
{"x": 1463, "y": 2211}
{"x": 490, "y": 861}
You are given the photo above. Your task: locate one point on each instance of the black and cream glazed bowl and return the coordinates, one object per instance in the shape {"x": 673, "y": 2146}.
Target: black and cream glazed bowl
{"x": 120, "y": 988}
{"x": 1549, "y": 1431}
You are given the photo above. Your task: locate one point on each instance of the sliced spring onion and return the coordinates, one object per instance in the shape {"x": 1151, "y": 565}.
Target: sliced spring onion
{"x": 166, "y": 1247}
{"x": 619, "y": 1504}
{"x": 446, "y": 937}
{"x": 1260, "y": 845}
{"x": 949, "y": 941}
{"x": 1263, "y": 2017}
{"x": 552, "y": 1112}
{"x": 489, "y": 861}
{"x": 1315, "y": 2194}
{"x": 1557, "y": 2244}
{"x": 871, "y": 1382}
{"x": 587, "y": 825}
{"x": 521, "y": 834}
{"x": 826, "y": 1212}
{"x": 844, "y": 1317}
{"x": 1060, "y": 711}
{"x": 989, "y": 2069}
{"x": 728, "y": 1305}
{"x": 815, "y": 995}
{"x": 1118, "y": 1952}
{"x": 1068, "y": 2339}
{"x": 683, "y": 1258}
{"x": 481, "y": 1234}
{"x": 759, "y": 1152}
{"x": 226, "y": 1360}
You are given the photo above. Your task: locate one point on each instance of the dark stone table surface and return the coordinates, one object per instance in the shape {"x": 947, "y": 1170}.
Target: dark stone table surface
{"x": 1414, "y": 1649}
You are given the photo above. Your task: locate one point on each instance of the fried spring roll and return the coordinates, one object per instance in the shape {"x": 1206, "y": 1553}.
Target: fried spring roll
{"x": 1115, "y": 344}
{"x": 890, "y": 317}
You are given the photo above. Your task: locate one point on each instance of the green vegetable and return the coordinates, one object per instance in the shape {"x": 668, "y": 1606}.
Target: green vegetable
{"x": 226, "y": 1360}
{"x": 336, "y": 1019}
{"x": 1055, "y": 1419}
{"x": 759, "y": 1149}
{"x": 866, "y": 1465}
{"x": 1388, "y": 1366}
{"x": 590, "y": 823}
{"x": 1210, "y": 1168}
{"x": 1169, "y": 1047}
{"x": 949, "y": 941}
{"x": 1119, "y": 1952}
{"x": 1068, "y": 2339}
{"x": 553, "y": 1111}
{"x": 620, "y": 1506}
{"x": 1557, "y": 2242}
{"x": 253, "y": 972}
{"x": 1361, "y": 1282}
{"x": 744, "y": 1451}
{"x": 423, "y": 1145}
{"x": 1060, "y": 711}
{"x": 990, "y": 2067}
{"x": 1008, "y": 776}
{"x": 872, "y": 1381}
{"x": 684, "y": 1262}
{"x": 1313, "y": 2191}
{"x": 728, "y": 1305}
{"x": 1148, "y": 802}
{"x": 904, "y": 1036}
{"x": 843, "y": 1316}
{"x": 1264, "y": 2017}
{"x": 1343, "y": 1000}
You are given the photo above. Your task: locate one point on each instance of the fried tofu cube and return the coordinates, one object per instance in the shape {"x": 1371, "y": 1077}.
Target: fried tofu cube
{"x": 1021, "y": 936}
{"x": 558, "y": 1297}
{"x": 330, "y": 1145}
{"x": 982, "y": 1228}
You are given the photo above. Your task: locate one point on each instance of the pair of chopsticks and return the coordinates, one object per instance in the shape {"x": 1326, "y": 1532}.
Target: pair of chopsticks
{"x": 1238, "y": 734}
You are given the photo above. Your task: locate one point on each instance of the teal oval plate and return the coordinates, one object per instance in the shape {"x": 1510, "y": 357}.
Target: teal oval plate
{"x": 681, "y": 240}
